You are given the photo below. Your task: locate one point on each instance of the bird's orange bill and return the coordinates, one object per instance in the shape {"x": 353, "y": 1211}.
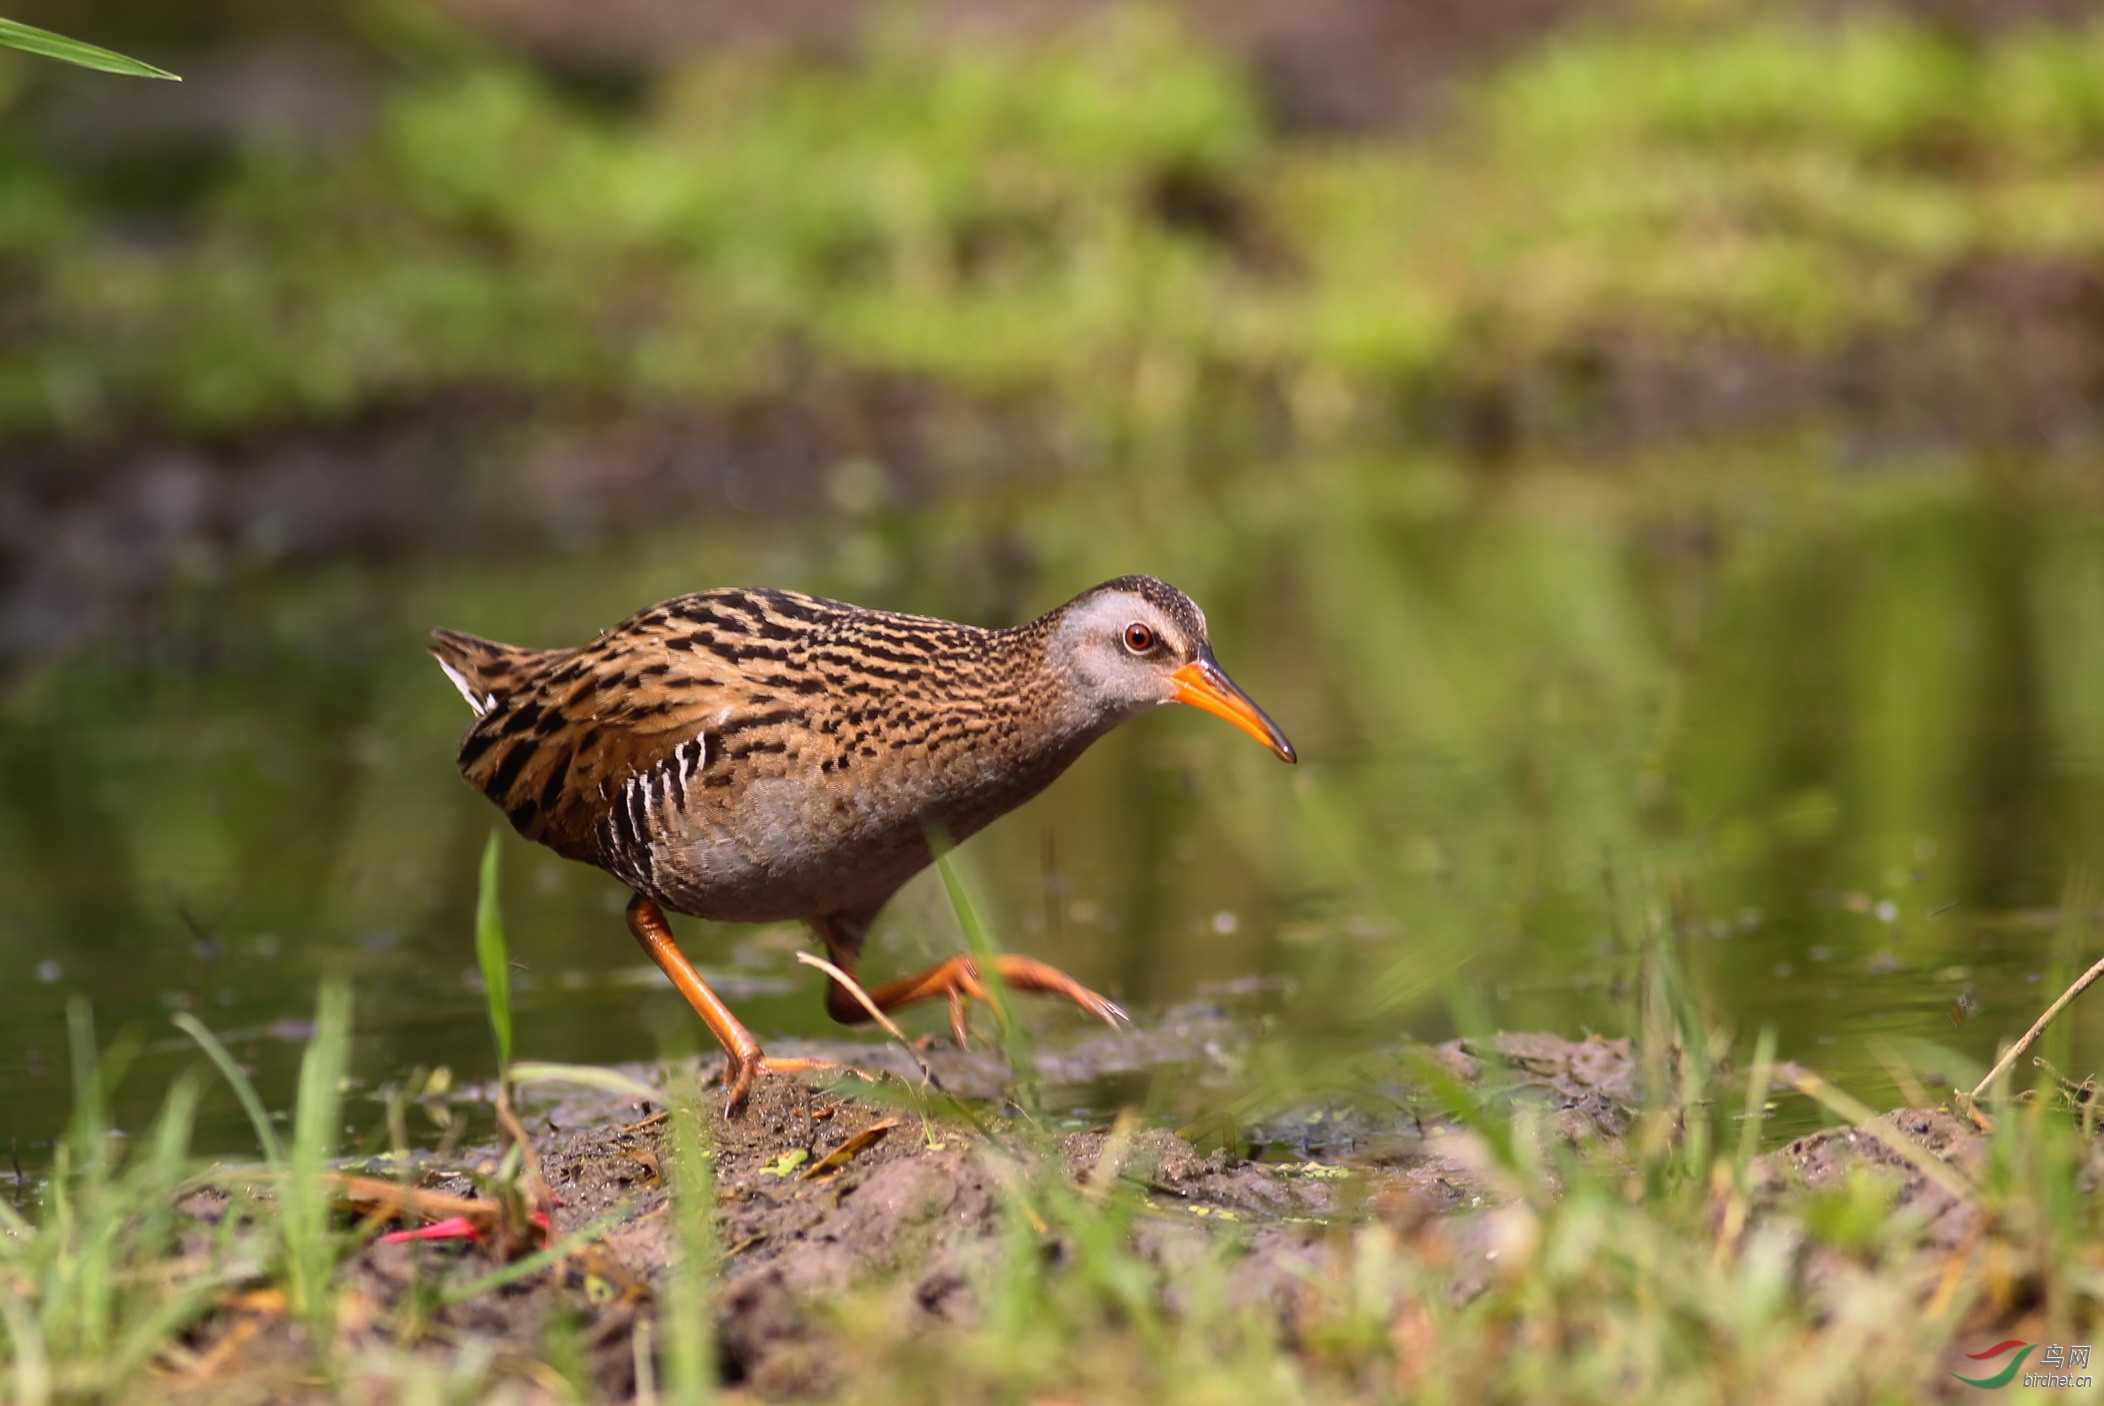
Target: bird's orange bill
{"x": 1204, "y": 684}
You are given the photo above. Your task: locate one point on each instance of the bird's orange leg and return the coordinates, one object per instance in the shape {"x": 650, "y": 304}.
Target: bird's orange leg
{"x": 647, "y": 921}
{"x": 959, "y": 980}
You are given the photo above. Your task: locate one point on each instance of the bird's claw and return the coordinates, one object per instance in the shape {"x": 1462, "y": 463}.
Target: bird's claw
{"x": 1024, "y": 974}
{"x": 742, "y": 1069}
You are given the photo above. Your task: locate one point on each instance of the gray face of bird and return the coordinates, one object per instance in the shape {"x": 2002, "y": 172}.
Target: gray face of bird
{"x": 1121, "y": 652}
{"x": 1124, "y": 652}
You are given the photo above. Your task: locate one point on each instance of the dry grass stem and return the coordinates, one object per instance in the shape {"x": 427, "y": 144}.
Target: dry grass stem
{"x": 890, "y": 1026}
{"x": 2038, "y": 1028}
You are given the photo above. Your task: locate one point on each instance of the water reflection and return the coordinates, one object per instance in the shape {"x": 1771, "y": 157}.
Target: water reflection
{"x": 1836, "y": 742}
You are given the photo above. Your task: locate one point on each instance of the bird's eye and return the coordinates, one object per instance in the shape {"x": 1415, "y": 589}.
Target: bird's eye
{"x": 1138, "y": 638}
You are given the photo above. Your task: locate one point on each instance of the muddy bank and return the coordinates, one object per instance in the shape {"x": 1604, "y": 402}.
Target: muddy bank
{"x": 838, "y": 1192}
{"x": 87, "y": 541}
{"x": 823, "y": 1189}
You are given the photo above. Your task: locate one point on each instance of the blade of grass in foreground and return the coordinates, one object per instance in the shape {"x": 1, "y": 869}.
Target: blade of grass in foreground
{"x": 492, "y": 954}
{"x": 690, "y": 1356}
{"x": 306, "y": 1206}
{"x": 43, "y": 43}
{"x": 304, "y": 1200}
{"x": 986, "y": 954}
{"x": 244, "y": 1090}
{"x": 590, "y": 1076}
{"x": 97, "y": 1279}
{"x": 521, "y": 1167}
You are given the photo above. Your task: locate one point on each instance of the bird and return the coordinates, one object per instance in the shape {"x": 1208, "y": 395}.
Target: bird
{"x": 759, "y": 755}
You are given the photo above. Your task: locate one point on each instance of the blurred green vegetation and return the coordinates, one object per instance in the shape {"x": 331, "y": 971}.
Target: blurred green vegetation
{"x": 1107, "y": 226}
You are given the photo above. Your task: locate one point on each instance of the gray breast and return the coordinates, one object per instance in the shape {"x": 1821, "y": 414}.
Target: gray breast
{"x": 772, "y": 847}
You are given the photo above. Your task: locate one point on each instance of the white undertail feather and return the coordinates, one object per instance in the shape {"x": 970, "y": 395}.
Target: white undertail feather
{"x": 467, "y": 690}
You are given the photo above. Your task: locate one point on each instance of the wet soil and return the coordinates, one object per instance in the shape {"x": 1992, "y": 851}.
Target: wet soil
{"x": 92, "y": 540}
{"x": 1823, "y": 1161}
{"x": 823, "y": 1187}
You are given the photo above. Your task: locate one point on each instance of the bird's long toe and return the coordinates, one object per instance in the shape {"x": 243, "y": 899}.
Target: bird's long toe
{"x": 740, "y": 1073}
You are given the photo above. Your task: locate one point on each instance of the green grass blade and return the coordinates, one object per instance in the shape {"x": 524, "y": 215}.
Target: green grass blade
{"x": 590, "y": 1076}
{"x": 690, "y": 1357}
{"x": 1759, "y": 1080}
{"x": 304, "y": 1207}
{"x": 266, "y": 1134}
{"x": 977, "y": 936}
{"x": 154, "y": 1179}
{"x": 170, "y": 1147}
{"x": 493, "y": 955}
{"x": 42, "y": 42}
{"x": 986, "y": 953}
{"x": 90, "y": 1105}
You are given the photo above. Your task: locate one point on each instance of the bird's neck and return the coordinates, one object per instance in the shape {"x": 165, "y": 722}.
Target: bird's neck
{"x": 1059, "y": 716}
{"x": 1034, "y": 732}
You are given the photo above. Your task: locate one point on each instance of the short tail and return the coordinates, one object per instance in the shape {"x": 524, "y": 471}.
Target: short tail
{"x": 483, "y": 670}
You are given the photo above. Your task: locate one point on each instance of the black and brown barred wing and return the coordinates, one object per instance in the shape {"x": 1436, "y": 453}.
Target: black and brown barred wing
{"x": 589, "y": 751}
{"x": 563, "y": 752}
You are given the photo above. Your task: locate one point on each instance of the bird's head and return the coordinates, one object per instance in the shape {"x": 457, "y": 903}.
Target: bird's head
{"x": 1138, "y": 643}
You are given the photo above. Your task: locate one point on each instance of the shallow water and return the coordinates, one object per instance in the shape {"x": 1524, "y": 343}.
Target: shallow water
{"x": 1829, "y": 738}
